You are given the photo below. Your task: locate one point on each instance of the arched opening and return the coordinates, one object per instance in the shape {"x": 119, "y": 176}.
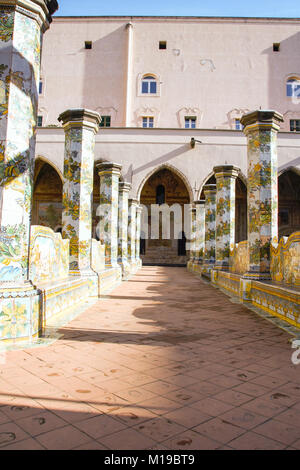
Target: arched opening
{"x": 47, "y": 196}
{"x": 241, "y": 221}
{"x": 288, "y": 203}
{"x": 165, "y": 187}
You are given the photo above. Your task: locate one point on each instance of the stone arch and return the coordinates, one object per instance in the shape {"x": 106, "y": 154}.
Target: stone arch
{"x": 42, "y": 158}
{"x": 47, "y": 194}
{"x": 172, "y": 169}
{"x": 288, "y": 201}
{"x": 162, "y": 248}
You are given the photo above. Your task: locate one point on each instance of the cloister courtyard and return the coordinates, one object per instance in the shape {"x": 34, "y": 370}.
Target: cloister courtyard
{"x": 165, "y": 361}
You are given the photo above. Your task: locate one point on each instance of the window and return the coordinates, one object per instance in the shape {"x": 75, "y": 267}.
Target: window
{"x": 160, "y": 194}
{"x": 238, "y": 125}
{"x": 149, "y": 84}
{"x": 162, "y": 44}
{"x": 39, "y": 121}
{"x": 40, "y": 87}
{"x": 293, "y": 87}
{"x": 276, "y": 47}
{"x": 295, "y": 125}
{"x": 148, "y": 121}
{"x": 88, "y": 44}
{"x": 105, "y": 121}
{"x": 190, "y": 122}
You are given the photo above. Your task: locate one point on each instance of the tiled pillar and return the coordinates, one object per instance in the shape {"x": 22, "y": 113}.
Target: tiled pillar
{"x": 109, "y": 201}
{"x": 22, "y": 25}
{"x": 124, "y": 189}
{"x": 261, "y": 128}
{"x": 210, "y": 224}
{"x": 80, "y": 126}
{"x": 200, "y": 231}
{"x": 132, "y": 205}
{"x": 138, "y": 234}
{"x": 193, "y": 235}
{"x": 225, "y": 213}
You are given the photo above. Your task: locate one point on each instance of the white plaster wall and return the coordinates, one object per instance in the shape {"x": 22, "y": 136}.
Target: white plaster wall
{"x": 241, "y": 70}
{"x": 142, "y": 151}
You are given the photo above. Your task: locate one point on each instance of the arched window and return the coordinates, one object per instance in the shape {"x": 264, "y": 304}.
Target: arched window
{"x": 149, "y": 85}
{"x": 293, "y": 87}
{"x": 160, "y": 194}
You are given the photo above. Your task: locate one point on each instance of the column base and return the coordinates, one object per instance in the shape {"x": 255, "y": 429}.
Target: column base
{"x": 22, "y": 313}
{"x": 125, "y": 267}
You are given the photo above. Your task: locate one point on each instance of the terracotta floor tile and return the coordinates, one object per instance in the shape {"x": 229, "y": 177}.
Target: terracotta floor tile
{"x": 242, "y": 417}
{"x": 233, "y": 397}
{"x": 211, "y": 406}
{"x": 99, "y": 426}
{"x": 187, "y": 416}
{"x": 159, "y": 428}
{"x": 279, "y": 431}
{"x": 219, "y": 429}
{"x": 160, "y": 405}
{"x": 127, "y": 440}
{"x": 63, "y": 439}
{"x": 10, "y": 433}
{"x": 253, "y": 441}
{"x": 152, "y": 362}
{"x": 191, "y": 440}
{"x": 41, "y": 423}
{"x": 27, "y": 444}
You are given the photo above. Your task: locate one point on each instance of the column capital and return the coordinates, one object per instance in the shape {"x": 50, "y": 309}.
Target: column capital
{"x": 109, "y": 168}
{"x": 41, "y": 10}
{"x": 201, "y": 202}
{"x": 261, "y": 119}
{"x": 210, "y": 188}
{"x": 227, "y": 171}
{"x": 124, "y": 187}
{"x": 133, "y": 202}
{"x": 80, "y": 118}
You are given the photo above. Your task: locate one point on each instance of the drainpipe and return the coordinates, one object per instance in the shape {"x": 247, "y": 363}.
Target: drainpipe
{"x": 129, "y": 28}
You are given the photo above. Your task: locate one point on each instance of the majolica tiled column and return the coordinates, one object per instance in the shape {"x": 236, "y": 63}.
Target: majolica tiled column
{"x": 21, "y": 27}
{"x": 132, "y": 206}
{"x": 138, "y": 234}
{"x": 193, "y": 235}
{"x": 109, "y": 203}
{"x": 225, "y": 213}
{"x": 124, "y": 189}
{"x": 261, "y": 128}
{"x": 210, "y": 224}
{"x": 80, "y": 126}
{"x": 200, "y": 231}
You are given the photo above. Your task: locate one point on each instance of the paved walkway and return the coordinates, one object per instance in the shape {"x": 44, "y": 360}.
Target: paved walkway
{"x": 167, "y": 362}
